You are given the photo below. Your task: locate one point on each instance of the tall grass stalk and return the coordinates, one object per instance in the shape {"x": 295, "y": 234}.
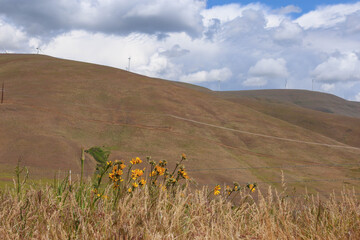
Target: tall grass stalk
{"x": 18, "y": 183}
{"x": 82, "y": 159}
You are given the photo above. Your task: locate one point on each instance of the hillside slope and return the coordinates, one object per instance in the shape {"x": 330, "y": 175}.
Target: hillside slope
{"x": 317, "y": 101}
{"x": 54, "y": 107}
{"x": 336, "y": 126}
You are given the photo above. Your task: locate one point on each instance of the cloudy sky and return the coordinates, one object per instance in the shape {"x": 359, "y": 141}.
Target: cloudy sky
{"x": 219, "y": 44}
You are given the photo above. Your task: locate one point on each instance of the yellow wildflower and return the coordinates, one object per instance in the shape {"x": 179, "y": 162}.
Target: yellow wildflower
{"x": 109, "y": 163}
{"x": 129, "y": 190}
{"x": 228, "y": 190}
{"x": 160, "y": 170}
{"x": 217, "y": 190}
{"x": 136, "y": 161}
{"x": 135, "y": 184}
{"x": 104, "y": 197}
{"x": 112, "y": 175}
{"x": 183, "y": 156}
{"x": 162, "y": 187}
{"x": 171, "y": 180}
{"x": 183, "y": 174}
{"x": 136, "y": 173}
{"x": 251, "y": 187}
{"x": 98, "y": 195}
{"x": 142, "y": 182}
{"x": 122, "y": 166}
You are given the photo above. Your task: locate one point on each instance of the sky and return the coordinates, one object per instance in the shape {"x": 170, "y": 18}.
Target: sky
{"x": 218, "y": 44}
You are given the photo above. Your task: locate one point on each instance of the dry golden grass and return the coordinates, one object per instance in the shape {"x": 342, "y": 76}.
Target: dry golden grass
{"x": 166, "y": 207}
{"x": 187, "y": 214}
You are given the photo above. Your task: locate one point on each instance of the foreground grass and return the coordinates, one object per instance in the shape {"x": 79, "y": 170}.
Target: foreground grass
{"x": 181, "y": 214}
{"x": 123, "y": 201}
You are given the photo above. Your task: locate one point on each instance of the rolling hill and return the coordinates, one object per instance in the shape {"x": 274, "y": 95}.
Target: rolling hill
{"x": 294, "y": 106}
{"x": 53, "y": 107}
{"x": 318, "y": 101}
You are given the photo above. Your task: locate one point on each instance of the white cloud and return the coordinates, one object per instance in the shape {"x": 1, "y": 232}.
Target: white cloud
{"x": 227, "y": 13}
{"x": 12, "y": 38}
{"x": 327, "y": 16}
{"x": 51, "y": 17}
{"x": 269, "y": 68}
{"x": 214, "y": 75}
{"x": 160, "y": 66}
{"x": 254, "y": 82}
{"x": 288, "y": 33}
{"x": 181, "y": 40}
{"x": 328, "y": 87}
{"x": 345, "y": 67}
{"x": 103, "y": 49}
{"x": 357, "y": 97}
{"x": 230, "y": 12}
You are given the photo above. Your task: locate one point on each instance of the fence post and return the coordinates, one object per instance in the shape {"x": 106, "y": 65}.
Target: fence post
{"x": 2, "y": 92}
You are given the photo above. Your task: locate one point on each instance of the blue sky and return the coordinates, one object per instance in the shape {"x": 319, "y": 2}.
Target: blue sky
{"x": 305, "y": 5}
{"x": 221, "y": 45}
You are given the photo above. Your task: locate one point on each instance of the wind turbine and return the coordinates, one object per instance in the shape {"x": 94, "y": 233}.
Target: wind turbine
{"x": 312, "y": 85}
{"x": 38, "y": 50}
{"x": 129, "y": 64}
{"x": 285, "y": 82}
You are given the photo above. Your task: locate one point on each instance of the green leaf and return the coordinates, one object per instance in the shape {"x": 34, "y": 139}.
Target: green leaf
{"x": 100, "y": 155}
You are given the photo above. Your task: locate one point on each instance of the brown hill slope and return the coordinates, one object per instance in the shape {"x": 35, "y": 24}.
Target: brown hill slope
{"x": 336, "y": 126}
{"x": 53, "y": 107}
{"x": 318, "y": 101}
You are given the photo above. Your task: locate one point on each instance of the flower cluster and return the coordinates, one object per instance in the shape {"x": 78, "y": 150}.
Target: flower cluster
{"x": 252, "y": 187}
{"x": 217, "y": 190}
{"x": 116, "y": 173}
{"x": 129, "y": 179}
{"x": 98, "y": 194}
{"x": 183, "y": 173}
{"x": 229, "y": 190}
{"x": 136, "y": 173}
{"x": 159, "y": 169}
{"x": 142, "y": 182}
{"x": 135, "y": 161}
{"x": 235, "y": 188}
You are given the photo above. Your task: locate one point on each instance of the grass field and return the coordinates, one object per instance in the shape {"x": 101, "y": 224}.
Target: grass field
{"x": 167, "y": 207}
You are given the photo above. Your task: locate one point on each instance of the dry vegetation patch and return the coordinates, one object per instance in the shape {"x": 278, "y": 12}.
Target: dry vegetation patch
{"x": 163, "y": 205}
{"x": 181, "y": 214}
